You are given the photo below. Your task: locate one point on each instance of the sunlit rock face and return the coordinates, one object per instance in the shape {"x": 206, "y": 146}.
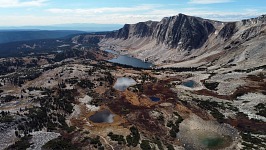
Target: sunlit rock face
{"x": 181, "y": 31}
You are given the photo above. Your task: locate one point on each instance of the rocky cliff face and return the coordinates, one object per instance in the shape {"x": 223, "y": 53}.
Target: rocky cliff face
{"x": 141, "y": 29}
{"x": 193, "y": 40}
{"x": 228, "y": 30}
{"x": 183, "y": 32}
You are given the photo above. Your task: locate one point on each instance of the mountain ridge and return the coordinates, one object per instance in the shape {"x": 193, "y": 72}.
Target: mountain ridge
{"x": 183, "y": 38}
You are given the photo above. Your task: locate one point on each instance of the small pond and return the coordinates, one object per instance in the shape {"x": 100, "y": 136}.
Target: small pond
{"x": 155, "y": 99}
{"x": 104, "y": 116}
{"x": 189, "y": 83}
{"x": 213, "y": 140}
{"x": 123, "y": 83}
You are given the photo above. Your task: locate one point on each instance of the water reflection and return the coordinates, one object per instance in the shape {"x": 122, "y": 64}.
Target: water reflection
{"x": 123, "y": 83}
{"x": 104, "y": 116}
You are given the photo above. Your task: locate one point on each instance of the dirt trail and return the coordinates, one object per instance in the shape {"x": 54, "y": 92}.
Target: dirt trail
{"x": 107, "y": 142}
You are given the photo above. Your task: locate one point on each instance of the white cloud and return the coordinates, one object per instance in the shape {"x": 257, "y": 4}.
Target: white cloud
{"x": 122, "y": 15}
{"x": 103, "y": 10}
{"x": 224, "y": 16}
{"x": 209, "y": 1}
{"x": 20, "y": 3}
{"x": 139, "y": 13}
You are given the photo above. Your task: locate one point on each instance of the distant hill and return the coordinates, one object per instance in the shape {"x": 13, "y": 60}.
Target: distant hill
{"x": 37, "y": 46}
{"x": 7, "y": 36}
{"x": 88, "y": 27}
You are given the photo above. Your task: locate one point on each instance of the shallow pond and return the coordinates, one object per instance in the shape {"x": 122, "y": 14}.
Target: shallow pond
{"x": 213, "y": 140}
{"x": 104, "y": 116}
{"x": 123, "y": 83}
{"x": 155, "y": 99}
{"x": 189, "y": 83}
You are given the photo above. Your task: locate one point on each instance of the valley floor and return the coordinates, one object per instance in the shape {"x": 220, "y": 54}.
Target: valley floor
{"x": 49, "y": 106}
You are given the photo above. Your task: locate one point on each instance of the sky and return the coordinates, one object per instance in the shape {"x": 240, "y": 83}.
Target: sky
{"x": 50, "y": 12}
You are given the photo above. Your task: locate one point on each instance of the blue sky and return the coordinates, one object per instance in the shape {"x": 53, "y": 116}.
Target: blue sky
{"x": 48, "y": 12}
